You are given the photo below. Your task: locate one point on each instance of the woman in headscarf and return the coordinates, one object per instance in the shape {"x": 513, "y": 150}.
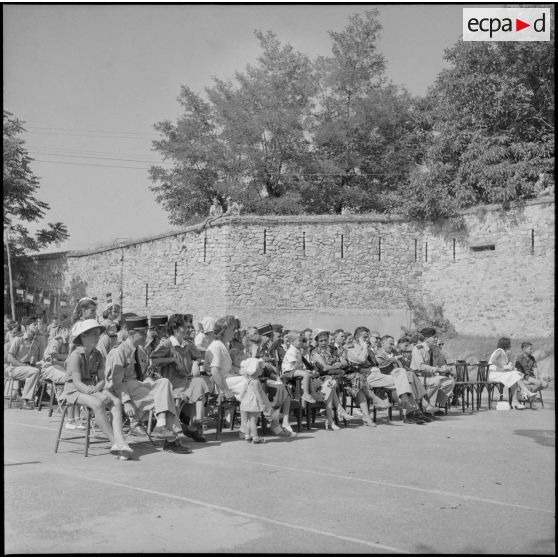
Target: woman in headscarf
{"x": 205, "y": 336}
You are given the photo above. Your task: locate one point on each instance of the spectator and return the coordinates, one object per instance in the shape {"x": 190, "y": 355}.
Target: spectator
{"x": 86, "y": 384}
{"x": 292, "y": 366}
{"x": 176, "y": 359}
{"x": 439, "y": 385}
{"x": 204, "y": 337}
{"x": 111, "y": 314}
{"x": 502, "y": 370}
{"x": 23, "y": 360}
{"x": 253, "y": 400}
{"x": 527, "y": 365}
{"x": 397, "y": 385}
{"x": 125, "y": 375}
{"x": 329, "y": 365}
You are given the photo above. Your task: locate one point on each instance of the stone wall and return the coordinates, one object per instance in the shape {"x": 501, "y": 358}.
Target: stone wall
{"x": 336, "y": 271}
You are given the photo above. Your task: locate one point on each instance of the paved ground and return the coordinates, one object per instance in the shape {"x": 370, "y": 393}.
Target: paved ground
{"x": 470, "y": 484}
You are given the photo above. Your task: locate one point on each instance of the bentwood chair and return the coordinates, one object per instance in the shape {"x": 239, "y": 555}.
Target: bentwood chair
{"x": 483, "y": 382}
{"x": 464, "y": 386}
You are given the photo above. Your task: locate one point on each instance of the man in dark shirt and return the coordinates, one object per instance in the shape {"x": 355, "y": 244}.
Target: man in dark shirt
{"x": 527, "y": 365}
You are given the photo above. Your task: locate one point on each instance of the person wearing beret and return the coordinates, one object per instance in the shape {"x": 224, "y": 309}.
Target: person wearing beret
{"x": 23, "y": 358}
{"x": 176, "y": 359}
{"x": 126, "y": 366}
{"x": 438, "y": 386}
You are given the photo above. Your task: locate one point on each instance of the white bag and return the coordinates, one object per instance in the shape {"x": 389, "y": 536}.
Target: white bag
{"x": 238, "y": 385}
{"x": 503, "y": 406}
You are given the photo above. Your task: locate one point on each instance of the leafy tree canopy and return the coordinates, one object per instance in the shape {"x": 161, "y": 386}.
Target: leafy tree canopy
{"x": 294, "y": 135}
{"x": 21, "y": 205}
{"x": 491, "y": 116}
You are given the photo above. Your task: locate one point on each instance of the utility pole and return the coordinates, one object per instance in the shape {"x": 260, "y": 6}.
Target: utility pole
{"x": 7, "y": 242}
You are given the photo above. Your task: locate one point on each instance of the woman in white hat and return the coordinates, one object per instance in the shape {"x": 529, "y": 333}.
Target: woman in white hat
{"x": 86, "y": 381}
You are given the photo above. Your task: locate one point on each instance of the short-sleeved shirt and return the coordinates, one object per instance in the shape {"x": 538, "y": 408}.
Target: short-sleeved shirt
{"x": 525, "y": 364}
{"x": 57, "y": 345}
{"x": 292, "y": 360}
{"x": 385, "y": 364}
{"x": 106, "y": 344}
{"x": 218, "y": 355}
{"x": 89, "y": 367}
{"x": 23, "y": 348}
{"x": 185, "y": 352}
{"x": 420, "y": 358}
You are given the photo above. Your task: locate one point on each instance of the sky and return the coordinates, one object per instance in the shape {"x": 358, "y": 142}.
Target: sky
{"x": 89, "y": 81}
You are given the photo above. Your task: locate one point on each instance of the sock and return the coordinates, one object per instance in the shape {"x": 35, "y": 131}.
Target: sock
{"x": 161, "y": 420}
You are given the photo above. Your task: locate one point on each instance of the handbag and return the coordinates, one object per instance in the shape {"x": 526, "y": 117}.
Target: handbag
{"x": 238, "y": 385}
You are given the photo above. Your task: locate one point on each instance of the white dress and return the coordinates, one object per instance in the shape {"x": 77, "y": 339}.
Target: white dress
{"x": 496, "y": 372}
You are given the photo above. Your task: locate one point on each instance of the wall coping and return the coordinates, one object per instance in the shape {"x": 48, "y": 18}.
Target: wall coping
{"x": 250, "y": 219}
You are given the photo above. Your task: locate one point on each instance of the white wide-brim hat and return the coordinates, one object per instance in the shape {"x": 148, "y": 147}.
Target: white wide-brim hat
{"x": 83, "y": 326}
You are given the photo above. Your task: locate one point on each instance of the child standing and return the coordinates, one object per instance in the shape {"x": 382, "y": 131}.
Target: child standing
{"x": 253, "y": 400}
{"x": 292, "y": 366}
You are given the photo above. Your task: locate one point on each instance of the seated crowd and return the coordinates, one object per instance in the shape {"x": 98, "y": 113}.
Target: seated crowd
{"x": 133, "y": 366}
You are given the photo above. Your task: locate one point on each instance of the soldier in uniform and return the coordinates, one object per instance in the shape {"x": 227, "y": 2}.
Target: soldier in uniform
{"x": 126, "y": 365}
{"x": 438, "y": 386}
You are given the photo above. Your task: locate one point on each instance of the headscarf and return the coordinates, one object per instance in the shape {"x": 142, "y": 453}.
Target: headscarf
{"x": 208, "y": 323}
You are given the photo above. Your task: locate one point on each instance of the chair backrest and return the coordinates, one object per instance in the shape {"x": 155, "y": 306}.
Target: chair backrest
{"x": 482, "y": 372}
{"x": 461, "y": 371}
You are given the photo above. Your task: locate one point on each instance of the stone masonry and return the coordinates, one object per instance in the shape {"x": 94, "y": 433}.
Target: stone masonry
{"x": 492, "y": 270}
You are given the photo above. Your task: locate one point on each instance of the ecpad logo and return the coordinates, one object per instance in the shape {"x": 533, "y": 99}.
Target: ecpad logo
{"x": 506, "y": 24}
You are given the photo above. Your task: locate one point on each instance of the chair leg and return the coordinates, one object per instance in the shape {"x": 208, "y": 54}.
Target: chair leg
{"x": 308, "y": 416}
{"x": 51, "y": 404}
{"x": 220, "y": 413}
{"x": 41, "y": 391}
{"x": 299, "y": 418}
{"x": 87, "y": 431}
{"x": 64, "y": 412}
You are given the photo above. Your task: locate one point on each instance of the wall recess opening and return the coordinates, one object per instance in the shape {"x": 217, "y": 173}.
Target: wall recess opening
{"x": 482, "y": 247}
{"x": 265, "y": 242}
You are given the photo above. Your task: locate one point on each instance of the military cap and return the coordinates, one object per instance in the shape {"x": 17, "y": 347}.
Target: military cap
{"x": 428, "y": 332}
{"x": 137, "y": 322}
{"x": 158, "y": 320}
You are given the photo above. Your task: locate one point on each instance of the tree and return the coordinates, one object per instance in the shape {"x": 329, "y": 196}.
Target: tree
{"x": 21, "y": 205}
{"x": 247, "y": 140}
{"x": 290, "y": 135}
{"x": 492, "y": 113}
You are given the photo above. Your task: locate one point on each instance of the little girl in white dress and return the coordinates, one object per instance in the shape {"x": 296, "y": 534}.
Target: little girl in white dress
{"x": 253, "y": 400}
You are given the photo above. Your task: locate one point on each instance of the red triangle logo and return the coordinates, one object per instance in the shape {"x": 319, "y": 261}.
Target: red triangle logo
{"x": 519, "y": 25}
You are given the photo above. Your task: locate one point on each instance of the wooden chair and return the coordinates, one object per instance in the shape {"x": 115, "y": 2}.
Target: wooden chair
{"x": 464, "y": 386}
{"x": 11, "y": 394}
{"x": 55, "y": 391}
{"x": 483, "y": 382}
{"x": 85, "y": 437}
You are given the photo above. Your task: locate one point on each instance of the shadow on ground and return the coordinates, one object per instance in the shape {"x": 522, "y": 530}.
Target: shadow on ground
{"x": 542, "y": 437}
